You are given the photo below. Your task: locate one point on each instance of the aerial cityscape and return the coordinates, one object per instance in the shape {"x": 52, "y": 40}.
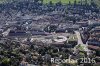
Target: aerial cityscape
{"x": 49, "y": 32}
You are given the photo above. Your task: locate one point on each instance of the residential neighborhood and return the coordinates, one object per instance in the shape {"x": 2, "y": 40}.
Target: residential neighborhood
{"x": 33, "y": 33}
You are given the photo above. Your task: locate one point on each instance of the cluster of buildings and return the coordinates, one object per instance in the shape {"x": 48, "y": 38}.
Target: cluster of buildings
{"x": 94, "y": 36}
{"x": 31, "y": 26}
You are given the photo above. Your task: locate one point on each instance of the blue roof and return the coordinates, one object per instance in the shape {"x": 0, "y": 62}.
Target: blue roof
{"x": 38, "y": 33}
{"x": 17, "y": 33}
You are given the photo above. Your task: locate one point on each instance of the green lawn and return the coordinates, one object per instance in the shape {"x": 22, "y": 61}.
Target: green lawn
{"x": 72, "y": 38}
{"x": 63, "y": 1}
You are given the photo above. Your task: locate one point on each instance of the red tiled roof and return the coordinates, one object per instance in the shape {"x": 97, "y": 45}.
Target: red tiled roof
{"x": 94, "y": 47}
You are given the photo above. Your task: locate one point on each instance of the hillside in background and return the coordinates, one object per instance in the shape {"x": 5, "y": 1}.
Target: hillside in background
{"x": 55, "y": 1}
{"x": 72, "y": 1}
{"x": 97, "y": 2}
{"x": 1, "y": 1}
{"x": 63, "y": 1}
{"x": 45, "y": 1}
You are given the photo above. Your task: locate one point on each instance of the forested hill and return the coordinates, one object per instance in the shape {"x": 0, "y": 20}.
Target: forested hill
{"x": 97, "y": 2}
{"x": 55, "y": 1}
